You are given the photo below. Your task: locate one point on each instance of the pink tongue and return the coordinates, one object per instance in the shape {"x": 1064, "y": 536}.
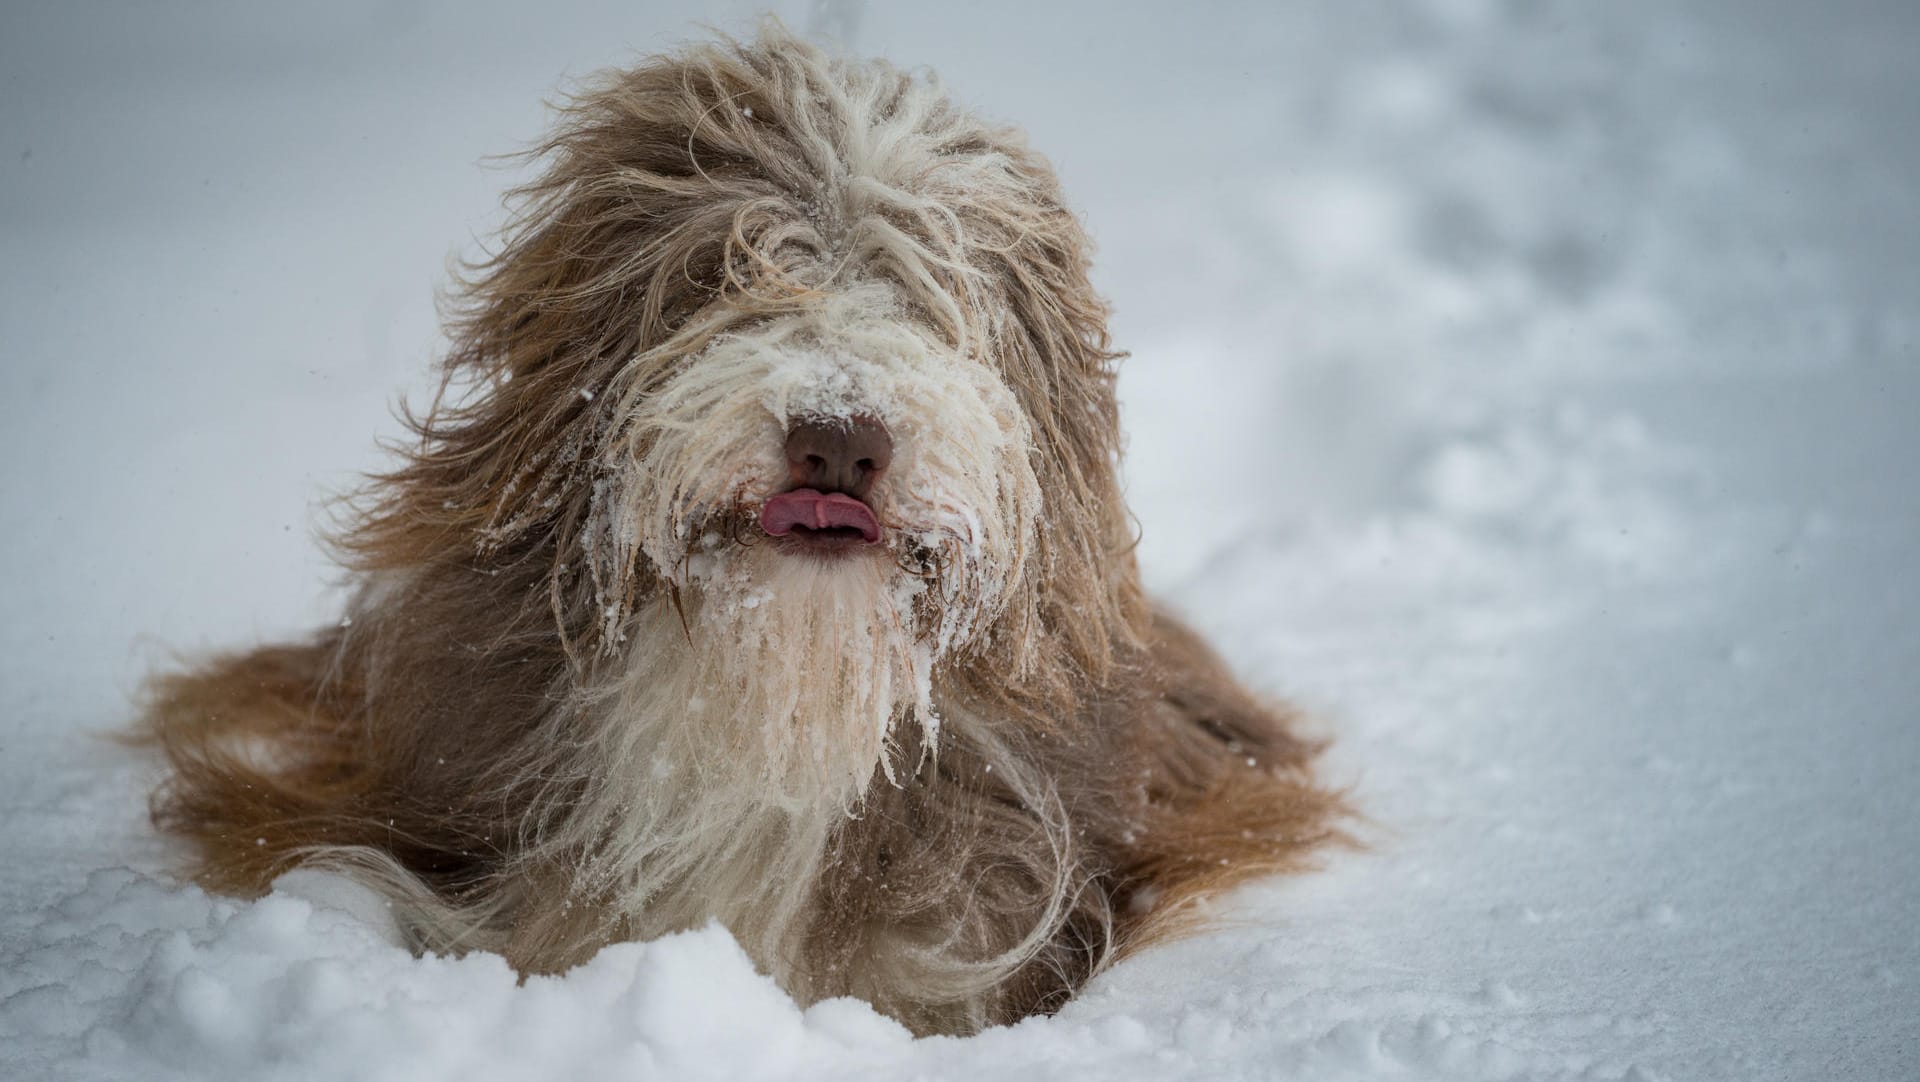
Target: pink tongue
{"x": 818, "y": 511}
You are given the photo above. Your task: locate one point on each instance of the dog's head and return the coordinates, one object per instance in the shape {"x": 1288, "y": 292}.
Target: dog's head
{"x": 780, "y": 332}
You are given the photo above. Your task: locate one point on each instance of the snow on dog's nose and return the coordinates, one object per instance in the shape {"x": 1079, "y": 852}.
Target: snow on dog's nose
{"x": 838, "y": 454}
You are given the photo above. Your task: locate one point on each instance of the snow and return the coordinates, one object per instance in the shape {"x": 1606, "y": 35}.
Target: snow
{"x": 1528, "y": 389}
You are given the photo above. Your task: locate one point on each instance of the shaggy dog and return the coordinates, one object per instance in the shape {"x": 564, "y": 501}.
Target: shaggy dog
{"x": 762, "y": 560}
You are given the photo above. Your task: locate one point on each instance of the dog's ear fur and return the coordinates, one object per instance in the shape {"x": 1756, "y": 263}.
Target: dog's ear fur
{"x": 653, "y": 203}
{"x": 1053, "y": 350}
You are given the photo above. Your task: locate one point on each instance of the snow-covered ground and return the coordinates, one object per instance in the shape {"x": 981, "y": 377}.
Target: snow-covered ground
{"x": 1532, "y": 389}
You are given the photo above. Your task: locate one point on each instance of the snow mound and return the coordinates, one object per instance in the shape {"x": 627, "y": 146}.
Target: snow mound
{"x": 130, "y": 974}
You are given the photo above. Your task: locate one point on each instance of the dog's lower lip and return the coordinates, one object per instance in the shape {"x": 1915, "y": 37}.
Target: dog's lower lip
{"x": 820, "y": 519}
{"x": 828, "y": 540}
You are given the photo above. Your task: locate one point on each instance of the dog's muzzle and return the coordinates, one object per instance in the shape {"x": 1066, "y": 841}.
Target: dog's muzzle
{"x": 834, "y": 463}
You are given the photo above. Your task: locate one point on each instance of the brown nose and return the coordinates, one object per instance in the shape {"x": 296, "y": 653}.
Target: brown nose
{"x": 838, "y": 454}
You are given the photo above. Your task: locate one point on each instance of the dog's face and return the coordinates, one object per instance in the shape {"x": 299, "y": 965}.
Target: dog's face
{"x": 841, "y": 447}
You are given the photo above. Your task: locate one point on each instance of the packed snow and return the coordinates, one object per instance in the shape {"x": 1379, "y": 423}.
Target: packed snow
{"x": 1531, "y": 390}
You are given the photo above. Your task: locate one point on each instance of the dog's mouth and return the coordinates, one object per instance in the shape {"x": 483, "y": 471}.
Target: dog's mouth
{"x": 820, "y": 521}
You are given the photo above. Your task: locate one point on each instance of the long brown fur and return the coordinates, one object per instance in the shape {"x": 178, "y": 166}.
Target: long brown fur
{"x": 1096, "y": 767}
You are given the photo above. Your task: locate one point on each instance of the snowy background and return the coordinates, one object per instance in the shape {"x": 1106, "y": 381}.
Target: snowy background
{"x": 1530, "y": 389}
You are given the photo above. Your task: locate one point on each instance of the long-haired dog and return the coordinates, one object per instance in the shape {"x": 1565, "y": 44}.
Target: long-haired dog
{"x": 762, "y": 560}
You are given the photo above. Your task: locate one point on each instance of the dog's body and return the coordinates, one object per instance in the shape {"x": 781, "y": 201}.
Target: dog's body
{"x": 765, "y": 562}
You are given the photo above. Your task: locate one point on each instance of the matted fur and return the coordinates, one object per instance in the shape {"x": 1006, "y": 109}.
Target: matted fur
{"x": 580, "y": 697}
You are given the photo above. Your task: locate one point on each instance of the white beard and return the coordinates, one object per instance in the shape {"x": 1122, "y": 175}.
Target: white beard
{"x": 731, "y": 747}
{"x": 786, "y": 679}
